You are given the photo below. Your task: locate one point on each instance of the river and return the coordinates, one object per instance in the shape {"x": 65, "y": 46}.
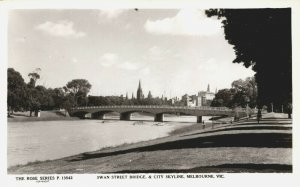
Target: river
{"x": 47, "y": 140}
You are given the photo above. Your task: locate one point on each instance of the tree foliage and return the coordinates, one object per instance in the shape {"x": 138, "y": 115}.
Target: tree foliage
{"x": 16, "y": 91}
{"x": 34, "y": 94}
{"x": 79, "y": 88}
{"x": 32, "y": 97}
{"x": 242, "y": 93}
{"x": 34, "y": 76}
{"x": 261, "y": 38}
{"x": 223, "y": 97}
{"x": 116, "y": 100}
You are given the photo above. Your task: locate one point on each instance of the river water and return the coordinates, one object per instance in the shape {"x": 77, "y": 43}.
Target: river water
{"x": 47, "y": 140}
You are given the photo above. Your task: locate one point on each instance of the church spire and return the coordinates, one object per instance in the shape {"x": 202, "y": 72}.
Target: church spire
{"x": 139, "y": 93}
{"x": 140, "y": 87}
{"x": 208, "y": 88}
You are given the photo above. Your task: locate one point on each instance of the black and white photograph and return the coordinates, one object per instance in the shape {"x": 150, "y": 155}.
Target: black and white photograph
{"x": 139, "y": 92}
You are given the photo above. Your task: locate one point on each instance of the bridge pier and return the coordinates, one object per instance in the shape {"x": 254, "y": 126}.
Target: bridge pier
{"x": 97, "y": 116}
{"x": 159, "y": 117}
{"x": 199, "y": 119}
{"x": 125, "y": 116}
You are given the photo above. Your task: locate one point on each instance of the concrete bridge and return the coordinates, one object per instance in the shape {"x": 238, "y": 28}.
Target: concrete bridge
{"x": 98, "y": 112}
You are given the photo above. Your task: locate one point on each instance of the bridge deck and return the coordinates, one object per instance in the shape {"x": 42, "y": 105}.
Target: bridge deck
{"x": 159, "y": 107}
{"x": 98, "y": 112}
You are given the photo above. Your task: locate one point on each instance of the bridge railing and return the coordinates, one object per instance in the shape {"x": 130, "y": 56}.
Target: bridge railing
{"x": 160, "y": 107}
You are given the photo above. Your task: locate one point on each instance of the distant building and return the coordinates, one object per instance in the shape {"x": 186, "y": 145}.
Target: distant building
{"x": 189, "y": 100}
{"x": 204, "y": 98}
{"x": 139, "y": 93}
{"x": 175, "y": 101}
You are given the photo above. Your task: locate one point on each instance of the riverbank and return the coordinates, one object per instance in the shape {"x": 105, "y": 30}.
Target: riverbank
{"x": 240, "y": 147}
{"x": 44, "y": 116}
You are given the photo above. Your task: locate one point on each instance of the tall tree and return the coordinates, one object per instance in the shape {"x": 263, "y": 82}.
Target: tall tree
{"x": 34, "y": 76}
{"x": 245, "y": 92}
{"x": 78, "y": 88}
{"x": 16, "y": 91}
{"x": 223, "y": 97}
{"x": 33, "y": 93}
{"x": 261, "y": 38}
{"x": 242, "y": 93}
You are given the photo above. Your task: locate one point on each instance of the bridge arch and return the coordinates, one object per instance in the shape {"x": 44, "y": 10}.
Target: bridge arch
{"x": 100, "y": 114}
{"x": 80, "y": 114}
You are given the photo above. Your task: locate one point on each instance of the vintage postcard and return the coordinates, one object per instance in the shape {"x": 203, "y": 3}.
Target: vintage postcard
{"x": 140, "y": 94}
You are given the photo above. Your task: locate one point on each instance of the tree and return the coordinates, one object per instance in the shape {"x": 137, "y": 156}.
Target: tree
{"x": 67, "y": 103}
{"x": 44, "y": 97}
{"x": 16, "y": 91}
{"x": 34, "y": 76}
{"x": 58, "y": 95}
{"x": 261, "y": 38}
{"x": 33, "y": 93}
{"x": 245, "y": 92}
{"x": 78, "y": 88}
{"x": 242, "y": 93}
{"x": 224, "y": 97}
{"x": 62, "y": 99}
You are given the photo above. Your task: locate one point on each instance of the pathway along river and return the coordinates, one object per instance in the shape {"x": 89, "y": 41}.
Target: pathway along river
{"x": 47, "y": 140}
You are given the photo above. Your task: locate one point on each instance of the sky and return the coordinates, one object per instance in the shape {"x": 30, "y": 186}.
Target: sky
{"x": 172, "y": 51}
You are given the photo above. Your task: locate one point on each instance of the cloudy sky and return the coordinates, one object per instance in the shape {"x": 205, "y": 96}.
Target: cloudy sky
{"x": 173, "y": 52}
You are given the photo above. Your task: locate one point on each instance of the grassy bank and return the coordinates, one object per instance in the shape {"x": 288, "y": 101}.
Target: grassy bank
{"x": 45, "y": 116}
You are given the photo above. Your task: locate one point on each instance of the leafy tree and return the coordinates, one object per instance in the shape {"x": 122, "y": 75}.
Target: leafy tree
{"x": 224, "y": 97}
{"x": 242, "y": 93}
{"x": 33, "y": 100}
{"x": 78, "y": 88}
{"x": 33, "y": 93}
{"x": 245, "y": 92}
{"x": 44, "y": 97}
{"x": 67, "y": 102}
{"x": 261, "y": 38}
{"x": 34, "y": 76}
{"x": 16, "y": 91}
{"x": 58, "y": 95}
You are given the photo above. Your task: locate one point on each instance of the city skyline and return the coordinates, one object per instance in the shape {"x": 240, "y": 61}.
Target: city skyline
{"x": 173, "y": 52}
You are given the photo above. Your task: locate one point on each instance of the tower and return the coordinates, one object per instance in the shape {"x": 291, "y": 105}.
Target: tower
{"x": 208, "y": 88}
{"x": 139, "y": 93}
{"x": 149, "y": 95}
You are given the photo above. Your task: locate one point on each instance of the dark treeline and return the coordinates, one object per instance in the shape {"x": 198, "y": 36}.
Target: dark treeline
{"x": 22, "y": 96}
{"x": 120, "y": 100}
{"x": 261, "y": 39}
